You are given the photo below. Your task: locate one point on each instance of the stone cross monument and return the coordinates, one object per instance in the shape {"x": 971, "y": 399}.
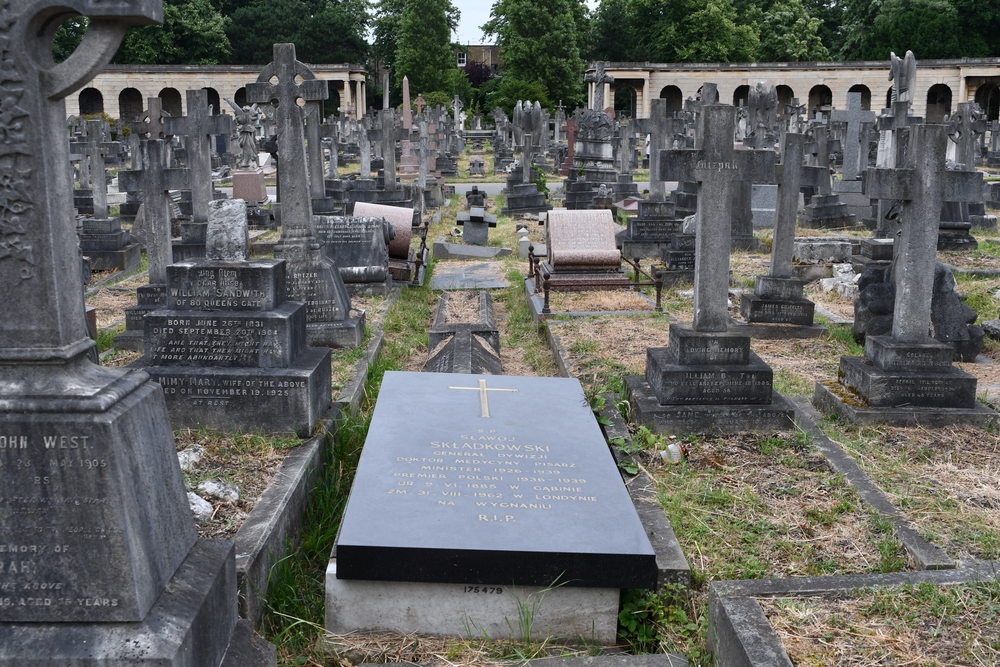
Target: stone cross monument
{"x": 313, "y": 278}
{"x": 599, "y": 78}
{"x": 114, "y": 573}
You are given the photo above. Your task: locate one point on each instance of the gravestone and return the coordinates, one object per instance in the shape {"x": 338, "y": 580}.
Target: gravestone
{"x": 855, "y": 148}
{"x": 102, "y": 239}
{"x": 965, "y": 126}
{"x": 907, "y": 376}
{"x": 524, "y": 197}
{"x": 825, "y": 210}
{"x": 154, "y": 181}
{"x": 470, "y": 344}
{"x": 228, "y": 348}
{"x": 535, "y": 501}
{"x": 475, "y": 223}
{"x": 402, "y": 257}
{"x": 651, "y": 230}
{"x": 581, "y": 252}
{"x": 707, "y": 379}
{"x": 777, "y": 298}
{"x": 359, "y": 246}
{"x": 477, "y": 167}
{"x": 474, "y": 197}
{"x": 109, "y": 568}
{"x": 313, "y": 278}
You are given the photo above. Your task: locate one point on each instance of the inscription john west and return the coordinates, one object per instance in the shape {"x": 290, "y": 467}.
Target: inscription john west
{"x": 495, "y": 481}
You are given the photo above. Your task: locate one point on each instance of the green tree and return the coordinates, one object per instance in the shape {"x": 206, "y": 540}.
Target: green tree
{"x": 328, "y": 31}
{"x": 539, "y": 42}
{"x": 831, "y": 16}
{"x": 930, "y": 28}
{"x": 612, "y": 28}
{"x": 385, "y": 32}
{"x": 424, "y": 53}
{"x": 696, "y": 30}
{"x": 192, "y": 34}
{"x": 788, "y": 33}
{"x": 504, "y": 92}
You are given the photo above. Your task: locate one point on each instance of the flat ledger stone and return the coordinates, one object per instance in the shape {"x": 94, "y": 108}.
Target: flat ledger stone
{"x": 495, "y": 480}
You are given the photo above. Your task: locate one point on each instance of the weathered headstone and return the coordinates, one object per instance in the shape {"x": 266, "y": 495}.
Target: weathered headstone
{"x": 359, "y": 246}
{"x": 472, "y": 455}
{"x": 907, "y": 376}
{"x": 313, "y": 278}
{"x": 777, "y": 298}
{"x": 581, "y": 252}
{"x": 228, "y": 348}
{"x": 402, "y": 257}
{"x": 155, "y": 182}
{"x": 469, "y": 344}
{"x": 708, "y": 379}
{"x": 109, "y": 569}
{"x": 476, "y": 223}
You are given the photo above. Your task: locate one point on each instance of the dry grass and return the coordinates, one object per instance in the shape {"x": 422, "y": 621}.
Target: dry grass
{"x": 595, "y": 302}
{"x": 377, "y": 648}
{"x": 462, "y": 307}
{"x": 831, "y": 300}
{"x": 799, "y": 364}
{"x": 120, "y": 358}
{"x": 946, "y": 481}
{"x": 749, "y": 506}
{"x": 605, "y": 347}
{"x": 983, "y": 258}
{"x": 111, "y": 303}
{"x": 923, "y": 625}
{"x": 248, "y": 460}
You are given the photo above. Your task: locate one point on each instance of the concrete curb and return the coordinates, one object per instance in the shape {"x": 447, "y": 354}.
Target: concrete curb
{"x": 275, "y": 522}
{"x": 671, "y": 564}
{"x": 925, "y": 555}
{"x": 559, "y": 352}
{"x": 739, "y": 633}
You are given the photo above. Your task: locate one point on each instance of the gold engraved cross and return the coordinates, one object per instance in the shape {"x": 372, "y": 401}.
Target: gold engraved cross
{"x": 483, "y": 402}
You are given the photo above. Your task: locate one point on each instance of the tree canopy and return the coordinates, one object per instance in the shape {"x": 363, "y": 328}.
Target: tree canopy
{"x": 192, "y": 34}
{"x": 423, "y": 47}
{"x": 540, "y": 41}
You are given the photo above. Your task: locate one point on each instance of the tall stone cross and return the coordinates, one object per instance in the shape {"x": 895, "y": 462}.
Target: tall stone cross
{"x": 385, "y": 90}
{"x": 965, "y": 127}
{"x": 419, "y": 103}
{"x": 199, "y": 126}
{"x": 893, "y": 129}
{"x": 716, "y": 166}
{"x": 456, "y": 107}
{"x": 364, "y": 148}
{"x": 820, "y": 148}
{"x": 296, "y": 204}
{"x": 854, "y": 116}
{"x": 599, "y": 78}
{"x": 149, "y": 125}
{"x": 96, "y": 150}
{"x": 794, "y": 113}
{"x": 922, "y": 188}
{"x": 314, "y": 149}
{"x": 386, "y": 135}
{"x": 658, "y": 128}
{"x": 43, "y": 315}
{"x": 793, "y": 174}
{"x": 156, "y": 181}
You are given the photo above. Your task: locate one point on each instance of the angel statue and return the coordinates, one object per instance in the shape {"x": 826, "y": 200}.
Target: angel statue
{"x": 246, "y": 121}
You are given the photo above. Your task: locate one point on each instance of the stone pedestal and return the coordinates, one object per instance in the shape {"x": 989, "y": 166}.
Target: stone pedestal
{"x": 192, "y": 243}
{"x": 779, "y": 301}
{"x": 149, "y": 298}
{"x": 230, "y": 351}
{"x": 248, "y": 185}
{"x": 955, "y": 227}
{"x": 525, "y": 198}
{"x": 108, "y": 246}
{"x": 827, "y": 212}
{"x": 902, "y": 374}
{"x": 651, "y": 230}
{"x": 708, "y": 382}
{"x": 678, "y": 260}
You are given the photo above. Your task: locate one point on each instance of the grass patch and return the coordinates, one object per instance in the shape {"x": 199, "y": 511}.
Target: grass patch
{"x": 920, "y": 625}
{"x": 106, "y": 337}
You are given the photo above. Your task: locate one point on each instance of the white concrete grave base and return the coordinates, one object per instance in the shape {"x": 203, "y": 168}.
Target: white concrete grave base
{"x": 588, "y": 614}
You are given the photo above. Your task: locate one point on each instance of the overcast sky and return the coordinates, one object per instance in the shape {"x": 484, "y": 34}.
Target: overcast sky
{"x": 474, "y": 14}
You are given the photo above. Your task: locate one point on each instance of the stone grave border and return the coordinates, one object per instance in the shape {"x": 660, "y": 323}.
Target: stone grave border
{"x": 974, "y": 273}
{"x": 740, "y": 634}
{"x": 536, "y": 302}
{"x": 276, "y": 519}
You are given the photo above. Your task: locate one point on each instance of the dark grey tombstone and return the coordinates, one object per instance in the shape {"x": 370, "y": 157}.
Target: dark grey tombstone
{"x": 707, "y": 378}
{"x": 908, "y": 367}
{"x": 476, "y": 225}
{"x": 313, "y": 278}
{"x": 109, "y": 569}
{"x": 464, "y": 347}
{"x": 359, "y": 246}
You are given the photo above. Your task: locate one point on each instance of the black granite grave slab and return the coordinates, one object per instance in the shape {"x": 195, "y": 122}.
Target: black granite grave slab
{"x": 494, "y": 479}
{"x": 710, "y": 383}
{"x": 358, "y": 245}
{"x": 695, "y": 348}
{"x": 776, "y": 311}
{"x": 877, "y": 249}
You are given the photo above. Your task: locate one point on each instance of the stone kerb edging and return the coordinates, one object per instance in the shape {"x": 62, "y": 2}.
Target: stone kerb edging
{"x": 740, "y": 635}
{"x": 274, "y": 524}
{"x": 276, "y": 518}
{"x": 671, "y": 564}
{"x": 559, "y": 352}
{"x": 925, "y": 555}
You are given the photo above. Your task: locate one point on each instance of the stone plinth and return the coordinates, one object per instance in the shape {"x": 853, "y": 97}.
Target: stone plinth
{"x": 149, "y": 298}
{"x": 248, "y": 185}
{"x": 778, "y": 301}
{"x": 108, "y": 246}
{"x": 230, "y": 351}
{"x": 827, "y": 212}
{"x": 525, "y": 198}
